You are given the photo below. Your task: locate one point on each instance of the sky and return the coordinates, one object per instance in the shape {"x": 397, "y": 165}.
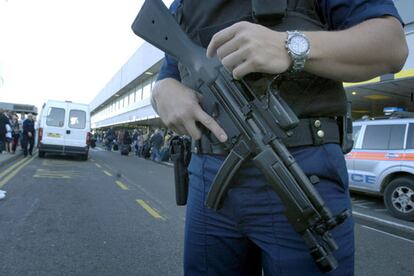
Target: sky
{"x": 63, "y": 49}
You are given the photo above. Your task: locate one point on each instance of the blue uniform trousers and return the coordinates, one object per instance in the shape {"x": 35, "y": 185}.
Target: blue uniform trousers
{"x": 251, "y": 234}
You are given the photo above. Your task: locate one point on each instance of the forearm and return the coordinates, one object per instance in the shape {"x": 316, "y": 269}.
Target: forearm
{"x": 372, "y": 48}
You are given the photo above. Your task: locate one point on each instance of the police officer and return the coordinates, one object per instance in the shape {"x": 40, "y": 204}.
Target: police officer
{"x": 315, "y": 45}
{"x": 28, "y": 135}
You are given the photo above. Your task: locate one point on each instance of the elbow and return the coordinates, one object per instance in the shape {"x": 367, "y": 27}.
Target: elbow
{"x": 399, "y": 57}
{"x": 397, "y": 46}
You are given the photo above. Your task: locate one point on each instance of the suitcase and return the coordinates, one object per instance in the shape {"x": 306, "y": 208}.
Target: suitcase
{"x": 125, "y": 149}
{"x": 115, "y": 147}
{"x": 165, "y": 154}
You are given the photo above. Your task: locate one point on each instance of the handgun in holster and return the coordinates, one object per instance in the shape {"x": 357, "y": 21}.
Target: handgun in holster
{"x": 345, "y": 127}
{"x": 180, "y": 152}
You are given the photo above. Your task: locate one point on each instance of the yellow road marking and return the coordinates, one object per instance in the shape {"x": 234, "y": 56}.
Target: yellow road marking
{"x": 99, "y": 166}
{"x": 12, "y": 174}
{"x": 51, "y": 176}
{"x": 107, "y": 173}
{"x": 9, "y": 169}
{"x": 151, "y": 211}
{"x": 121, "y": 185}
{"x": 58, "y": 171}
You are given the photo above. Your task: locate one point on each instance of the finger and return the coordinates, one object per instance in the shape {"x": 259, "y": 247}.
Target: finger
{"x": 242, "y": 70}
{"x": 193, "y": 130}
{"x": 219, "y": 39}
{"x": 233, "y": 60}
{"x": 211, "y": 124}
{"x": 227, "y": 48}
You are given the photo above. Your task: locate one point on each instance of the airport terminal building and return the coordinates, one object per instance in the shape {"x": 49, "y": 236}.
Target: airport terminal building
{"x": 125, "y": 100}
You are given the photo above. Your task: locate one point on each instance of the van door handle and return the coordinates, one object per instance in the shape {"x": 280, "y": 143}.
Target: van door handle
{"x": 67, "y": 131}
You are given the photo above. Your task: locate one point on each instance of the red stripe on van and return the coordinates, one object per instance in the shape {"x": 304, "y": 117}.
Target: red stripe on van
{"x": 380, "y": 156}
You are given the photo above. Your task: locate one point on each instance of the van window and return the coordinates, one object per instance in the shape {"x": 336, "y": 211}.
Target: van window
{"x": 77, "y": 119}
{"x": 384, "y": 137}
{"x": 410, "y": 137}
{"x": 355, "y": 133}
{"x": 55, "y": 117}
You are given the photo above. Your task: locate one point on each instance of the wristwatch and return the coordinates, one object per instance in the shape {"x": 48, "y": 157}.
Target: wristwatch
{"x": 298, "y": 47}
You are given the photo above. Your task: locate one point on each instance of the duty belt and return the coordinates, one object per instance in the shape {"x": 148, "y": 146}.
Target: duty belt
{"x": 309, "y": 132}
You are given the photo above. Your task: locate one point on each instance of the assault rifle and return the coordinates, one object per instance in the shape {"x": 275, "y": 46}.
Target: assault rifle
{"x": 255, "y": 126}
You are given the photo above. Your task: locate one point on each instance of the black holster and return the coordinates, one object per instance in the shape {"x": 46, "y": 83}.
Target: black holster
{"x": 180, "y": 152}
{"x": 345, "y": 127}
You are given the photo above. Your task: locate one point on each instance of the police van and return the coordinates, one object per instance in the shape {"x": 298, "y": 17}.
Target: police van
{"x": 64, "y": 128}
{"x": 382, "y": 161}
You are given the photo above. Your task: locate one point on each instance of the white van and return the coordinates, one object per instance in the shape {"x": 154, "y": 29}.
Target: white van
{"x": 64, "y": 128}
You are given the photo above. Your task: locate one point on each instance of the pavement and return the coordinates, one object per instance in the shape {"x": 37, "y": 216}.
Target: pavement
{"x": 6, "y": 158}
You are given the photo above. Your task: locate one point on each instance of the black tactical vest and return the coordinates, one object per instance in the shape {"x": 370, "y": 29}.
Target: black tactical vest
{"x": 308, "y": 95}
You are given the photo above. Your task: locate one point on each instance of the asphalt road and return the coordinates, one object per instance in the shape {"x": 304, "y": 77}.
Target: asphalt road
{"x": 116, "y": 215}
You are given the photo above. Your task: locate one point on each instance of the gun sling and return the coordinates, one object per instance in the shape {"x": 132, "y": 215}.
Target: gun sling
{"x": 309, "y": 132}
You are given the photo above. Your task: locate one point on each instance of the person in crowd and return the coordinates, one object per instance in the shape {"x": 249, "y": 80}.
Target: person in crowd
{"x": 313, "y": 48}
{"x": 15, "y": 133}
{"x": 28, "y": 135}
{"x": 3, "y": 130}
{"x": 120, "y": 136}
{"x": 140, "y": 143}
{"x": 156, "y": 142}
{"x": 167, "y": 138}
{"x": 135, "y": 141}
{"x": 109, "y": 138}
{"x": 165, "y": 149}
{"x": 126, "y": 140}
{"x": 21, "y": 120}
{"x": 9, "y": 136}
{"x": 146, "y": 146}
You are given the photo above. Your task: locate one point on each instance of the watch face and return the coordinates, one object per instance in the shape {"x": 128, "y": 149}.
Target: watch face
{"x": 299, "y": 45}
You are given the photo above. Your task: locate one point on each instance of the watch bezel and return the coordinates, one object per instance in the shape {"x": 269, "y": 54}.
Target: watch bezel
{"x": 298, "y": 59}
{"x": 293, "y": 40}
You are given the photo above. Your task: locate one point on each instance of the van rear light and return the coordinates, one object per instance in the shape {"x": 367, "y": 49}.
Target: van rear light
{"x": 88, "y": 138}
{"x": 40, "y": 135}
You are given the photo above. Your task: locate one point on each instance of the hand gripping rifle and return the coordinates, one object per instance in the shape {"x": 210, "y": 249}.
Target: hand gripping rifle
{"x": 255, "y": 126}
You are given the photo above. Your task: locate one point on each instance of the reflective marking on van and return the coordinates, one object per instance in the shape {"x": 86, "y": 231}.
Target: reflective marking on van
{"x": 362, "y": 178}
{"x": 380, "y": 156}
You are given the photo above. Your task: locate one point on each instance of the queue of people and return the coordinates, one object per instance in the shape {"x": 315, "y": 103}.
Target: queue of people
{"x": 150, "y": 144}
{"x": 15, "y": 132}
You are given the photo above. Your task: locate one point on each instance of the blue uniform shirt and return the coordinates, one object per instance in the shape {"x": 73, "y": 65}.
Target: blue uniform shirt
{"x": 338, "y": 15}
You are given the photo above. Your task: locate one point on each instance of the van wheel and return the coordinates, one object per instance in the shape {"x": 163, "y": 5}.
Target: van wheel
{"x": 41, "y": 154}
{"x": 84, "y": 157}
{"x": 399, "y": 198}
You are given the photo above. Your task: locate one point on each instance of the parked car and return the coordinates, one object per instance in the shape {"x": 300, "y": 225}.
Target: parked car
{"x": 64, "y": 128}
{"x": 382, "y": 161}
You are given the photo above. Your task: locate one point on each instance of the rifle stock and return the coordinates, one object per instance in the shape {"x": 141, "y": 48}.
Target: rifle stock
{"x": 156, "y": 25}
